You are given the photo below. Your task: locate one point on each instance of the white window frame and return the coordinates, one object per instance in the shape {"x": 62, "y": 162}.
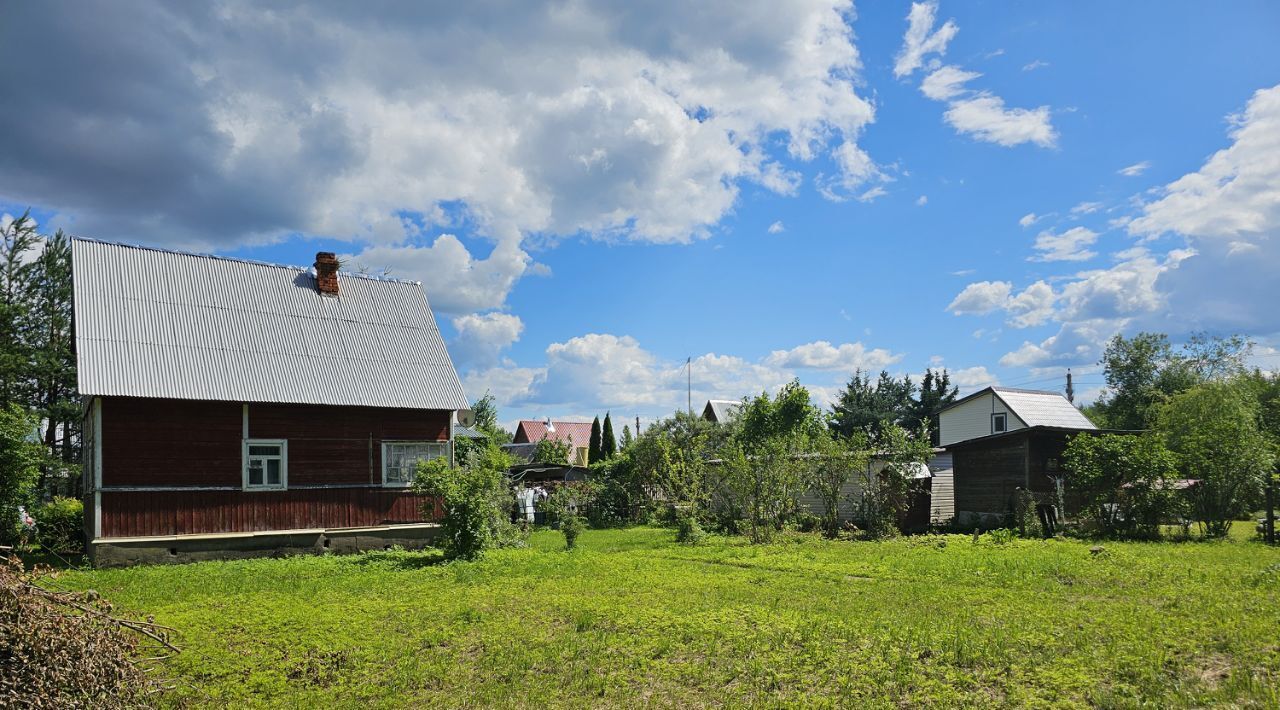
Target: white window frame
{"x": 1005, "y": 417}
{"x": 446, "y": 452}
{"x": 284, "y": 465}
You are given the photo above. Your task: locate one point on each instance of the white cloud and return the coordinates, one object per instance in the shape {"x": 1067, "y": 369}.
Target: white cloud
{"x": 481, "y": 337}
{"x": 985, "y": 117}
{"x": 822, "y": 355}
{"x": 1035, "y": 64}
{"x": 1033, "y": 306}
{"x": 920, "y": 39}
{"x": 455, "y": 281}
{"x": 1235, "y": 195}
{"x": 922, "y": 200}
{"x": 981, "y": 298}
{"x": 980, "y": 114}
{"x": 1027, "y": 220}
{"x": 946, "y": 82}
{"x": 1071, "y": 245}
{"x": 1135, "y": 170}
{"x": 973, "y": 377}
{"x": 1086, "y": 208}
{"x": 777, "y": 228}
{"x": 247, "y": 124}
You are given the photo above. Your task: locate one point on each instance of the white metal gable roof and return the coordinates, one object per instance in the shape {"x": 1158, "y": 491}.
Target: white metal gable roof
{"x": 155, "y": 323}
{"x": 1038, "y": 408}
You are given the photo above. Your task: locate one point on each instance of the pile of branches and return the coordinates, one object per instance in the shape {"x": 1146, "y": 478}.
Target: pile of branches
{"x": 70, "y": 650}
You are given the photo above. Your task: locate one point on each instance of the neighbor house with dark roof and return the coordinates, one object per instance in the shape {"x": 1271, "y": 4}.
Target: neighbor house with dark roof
{"x": 1003, "y": 439}
{"x": 234, "y": 408}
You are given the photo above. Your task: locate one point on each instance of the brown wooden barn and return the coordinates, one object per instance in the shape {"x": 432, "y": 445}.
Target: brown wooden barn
{"x": 235, "y": 408}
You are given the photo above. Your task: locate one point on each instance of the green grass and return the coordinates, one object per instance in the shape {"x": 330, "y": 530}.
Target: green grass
{"x": 633, "y": 618}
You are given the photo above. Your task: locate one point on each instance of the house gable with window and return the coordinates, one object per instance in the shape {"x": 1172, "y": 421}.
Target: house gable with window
{"x": 234, "y": 407}
{"x": 996, "y": 410}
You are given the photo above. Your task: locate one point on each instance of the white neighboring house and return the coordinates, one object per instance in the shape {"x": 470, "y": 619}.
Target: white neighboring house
{"x": 996, "y": 410}
{"x": 989, "y": 412}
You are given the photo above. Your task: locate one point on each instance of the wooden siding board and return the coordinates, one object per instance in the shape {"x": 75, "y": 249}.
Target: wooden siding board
{"x": 201, "y": 512}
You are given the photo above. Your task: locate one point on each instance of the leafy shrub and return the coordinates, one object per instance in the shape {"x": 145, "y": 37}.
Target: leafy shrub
{"x": 565, "y": 506}
{"x": 476, "y": 500}
{"x": 807, "y": 522}
{"x": 64, "y": 650}
{"x": 60, "y": 525}
{"x": 1126, "y": 482}
{"x": 1001, "y": 536}
{"x": 571, "y": 525}
{"x": 19, "y": 457}
{"x": 688, "y": 531}
{"x": 551, "y": 451}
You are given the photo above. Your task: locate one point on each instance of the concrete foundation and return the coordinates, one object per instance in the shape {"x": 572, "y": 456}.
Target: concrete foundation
{"x": 179, "y": 549}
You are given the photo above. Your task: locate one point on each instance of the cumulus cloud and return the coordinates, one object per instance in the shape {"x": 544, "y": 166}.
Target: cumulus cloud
{"x": 946, "y": 82}
{"x": 1135, "y": 170}
{"x": 1071, "y": 245}
{"x": 218, "y": 124}
{"x": 921, "y": 39}
{"x": 777, "y": 228}
{"x": 1086, "y": 208}
{"x": 973, "y": 377}
{"x": 482, "y": 337}
{"x": 977, "y": 113}
{"x": 822, "y": 355}
{"x": 1027, "y": 220}
{"x": 1034, "y": 305}
{"x": 1235, "y": 195}
{"x": 981, "y": 298}
{"x": 922, "y": 200}
{"x": 455, "y": 281}
{"x": 985, "y": 117}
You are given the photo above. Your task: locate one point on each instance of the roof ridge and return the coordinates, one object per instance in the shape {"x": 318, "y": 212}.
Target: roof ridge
{"x": 239, "y": 260}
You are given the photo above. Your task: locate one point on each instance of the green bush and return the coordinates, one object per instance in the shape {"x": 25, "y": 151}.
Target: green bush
{"x": 688, "y": 530}
{"x": 476, "y": 499}
{"x": 60, "y": 525}
{"x": 565, "y": 506}
{"x": 571, "y": 525}
{"x": 19, "y": 457}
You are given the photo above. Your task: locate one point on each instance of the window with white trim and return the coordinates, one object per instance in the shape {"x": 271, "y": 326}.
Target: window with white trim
{"x": 266, "y": 464}
{"x": 400, "y": 459}
{"x": 999, "y": 423}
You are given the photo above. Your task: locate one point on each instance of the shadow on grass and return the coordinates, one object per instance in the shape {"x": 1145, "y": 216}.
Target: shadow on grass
{"x": 31, "y": 558}
{"x": 400, "y": 559}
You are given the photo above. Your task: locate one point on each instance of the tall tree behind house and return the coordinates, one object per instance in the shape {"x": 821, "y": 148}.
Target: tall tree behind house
{"x": 593, "y": 446}
{"x": 37, "y": 339}
{"x": 18, "y": 238}
{"x": 608, "y": 444}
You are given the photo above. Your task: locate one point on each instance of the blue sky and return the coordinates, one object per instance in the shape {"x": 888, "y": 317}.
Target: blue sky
{"x": 592, "y": 194}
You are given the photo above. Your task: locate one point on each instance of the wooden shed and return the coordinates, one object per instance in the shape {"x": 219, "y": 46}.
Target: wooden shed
{"x": 234, "y": 408}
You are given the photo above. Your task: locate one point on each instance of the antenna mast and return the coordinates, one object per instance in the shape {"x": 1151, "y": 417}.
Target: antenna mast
{"x": 688, "y": 367}
{"x": 1071, "y": 391}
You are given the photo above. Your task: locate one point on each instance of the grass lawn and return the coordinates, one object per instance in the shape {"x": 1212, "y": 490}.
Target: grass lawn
{"x": 633, "y": 618}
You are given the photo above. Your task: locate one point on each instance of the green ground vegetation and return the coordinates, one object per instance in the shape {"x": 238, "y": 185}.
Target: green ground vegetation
{"x": 631, "y": 618}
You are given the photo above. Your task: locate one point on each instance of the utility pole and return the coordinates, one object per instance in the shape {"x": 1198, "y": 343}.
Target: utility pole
{"x": 1269, "y": 528}
{"x": 1071, "y": 391}
{"x": 637, "y": 427}
{"x": 688, "y": 366}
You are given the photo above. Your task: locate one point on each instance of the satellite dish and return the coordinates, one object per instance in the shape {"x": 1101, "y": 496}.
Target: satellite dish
{"x": 466, "y": 418}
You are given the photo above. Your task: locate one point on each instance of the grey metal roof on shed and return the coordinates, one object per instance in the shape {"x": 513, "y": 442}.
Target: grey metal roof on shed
{"x": 1041, "y": 408}
{"x": 156, "y": 323}
{"x": 723, "y": 410}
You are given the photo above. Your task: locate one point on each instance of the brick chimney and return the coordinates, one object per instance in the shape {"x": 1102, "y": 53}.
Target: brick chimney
{"x": 327, "y": 273}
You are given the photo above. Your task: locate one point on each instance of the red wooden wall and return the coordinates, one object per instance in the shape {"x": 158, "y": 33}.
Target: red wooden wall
{"x": 168, "y": 448}
{"x": 136, "y": 514}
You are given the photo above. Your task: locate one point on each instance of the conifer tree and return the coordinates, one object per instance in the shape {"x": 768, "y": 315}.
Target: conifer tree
{"x": 593, "y": 448}
{"x": 608, "y": 444}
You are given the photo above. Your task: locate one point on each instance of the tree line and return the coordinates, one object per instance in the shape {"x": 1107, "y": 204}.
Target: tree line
{"x": 1204, "y": 437}
{"x": 40, "y": 409}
